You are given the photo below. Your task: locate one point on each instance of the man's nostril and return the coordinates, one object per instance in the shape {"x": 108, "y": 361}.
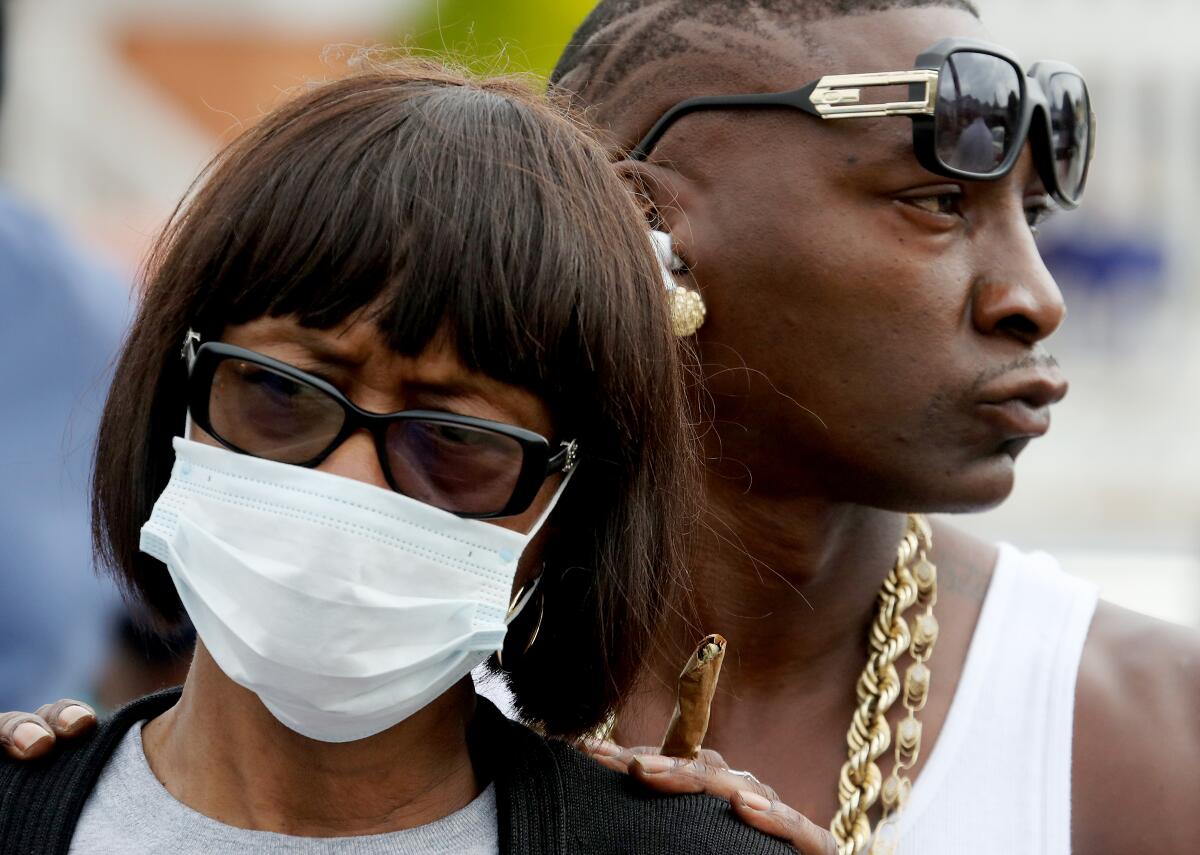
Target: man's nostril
{"x": 1019, "y": 326}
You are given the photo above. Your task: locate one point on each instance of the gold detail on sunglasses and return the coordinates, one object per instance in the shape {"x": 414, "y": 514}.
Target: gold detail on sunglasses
{"x": 838, "y": 96}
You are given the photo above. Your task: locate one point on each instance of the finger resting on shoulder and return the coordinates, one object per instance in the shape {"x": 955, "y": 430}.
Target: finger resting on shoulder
{"x": 68, "y": 717}
{"x": 24, "y": 736}
{"x": 628, "y": 755}
{"x": 712, "y": 758}
{"x": 773, "y": 817}
{"x": 614, "y": 763}
{"x": 607, "y": 753}
{"x": 674, "y": 775}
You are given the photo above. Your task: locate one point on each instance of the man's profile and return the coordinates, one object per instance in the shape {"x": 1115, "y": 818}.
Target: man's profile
{"x": 875, "y": 345}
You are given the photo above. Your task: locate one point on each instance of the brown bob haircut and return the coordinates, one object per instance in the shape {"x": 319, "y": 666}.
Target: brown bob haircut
{"x": 465, "y": 206}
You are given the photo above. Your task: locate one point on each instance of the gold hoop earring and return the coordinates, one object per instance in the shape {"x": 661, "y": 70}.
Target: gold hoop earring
{"x": 512, "y": 607}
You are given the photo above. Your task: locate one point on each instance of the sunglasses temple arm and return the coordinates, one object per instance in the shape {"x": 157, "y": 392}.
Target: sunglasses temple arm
{"x": 797, "y": 99}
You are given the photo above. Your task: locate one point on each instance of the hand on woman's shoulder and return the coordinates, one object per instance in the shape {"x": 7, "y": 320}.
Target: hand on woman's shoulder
{"x": 602, "y": 803}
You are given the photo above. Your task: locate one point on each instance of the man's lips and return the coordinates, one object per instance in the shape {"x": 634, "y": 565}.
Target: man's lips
{"x": 1016, "y": 418}
{"x": 1020, "y": 406}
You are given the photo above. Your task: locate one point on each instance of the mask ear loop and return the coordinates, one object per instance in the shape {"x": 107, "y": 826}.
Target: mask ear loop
{"x": 541, "y": 520}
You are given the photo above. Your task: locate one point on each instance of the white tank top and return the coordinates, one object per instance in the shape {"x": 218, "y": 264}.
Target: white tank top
{"x": 998, "y": 781}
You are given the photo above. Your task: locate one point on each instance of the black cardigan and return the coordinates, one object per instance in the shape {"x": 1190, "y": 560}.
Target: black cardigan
{"x": 550, "y": 798}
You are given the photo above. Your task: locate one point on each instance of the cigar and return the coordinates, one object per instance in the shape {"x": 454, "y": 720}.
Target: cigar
{"x": 697, "y": 684}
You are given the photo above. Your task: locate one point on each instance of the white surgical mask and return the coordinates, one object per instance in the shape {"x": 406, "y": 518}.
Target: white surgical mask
{"x": 345, "y": 607}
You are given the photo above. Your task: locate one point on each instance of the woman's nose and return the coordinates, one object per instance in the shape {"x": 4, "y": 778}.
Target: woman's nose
{"x": 356, "y": 458}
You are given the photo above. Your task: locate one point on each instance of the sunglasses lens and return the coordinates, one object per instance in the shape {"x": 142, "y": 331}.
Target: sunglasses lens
{"x": 268, "y": 414}
{"x": 978, "y": 112}
{"x": 467, "y": 470}
{"x": 1070, "y": 131}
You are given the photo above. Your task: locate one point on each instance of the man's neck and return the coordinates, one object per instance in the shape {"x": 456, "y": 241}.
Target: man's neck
{"x": 220, "y": 752}
{"x": 793, "y": 585}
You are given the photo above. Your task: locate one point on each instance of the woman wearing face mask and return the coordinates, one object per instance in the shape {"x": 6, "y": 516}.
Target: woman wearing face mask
{"x": 407, "y": 316}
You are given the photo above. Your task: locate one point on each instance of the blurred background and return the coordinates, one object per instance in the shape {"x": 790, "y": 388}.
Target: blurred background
{"x": 111, "y": 107}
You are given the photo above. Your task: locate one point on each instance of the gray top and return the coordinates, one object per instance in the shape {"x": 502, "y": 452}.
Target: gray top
{"x": 129, "y": 811}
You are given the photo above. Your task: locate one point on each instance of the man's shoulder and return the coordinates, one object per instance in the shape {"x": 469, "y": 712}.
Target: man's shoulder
{"x": 601, "y": 802}
{"x": 1137, "y": 736}
{"x": 1137, "y": 666}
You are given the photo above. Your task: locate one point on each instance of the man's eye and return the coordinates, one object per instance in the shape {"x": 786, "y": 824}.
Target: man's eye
{"x": 949, "y": 204}
{"x": 1037, "y": 212}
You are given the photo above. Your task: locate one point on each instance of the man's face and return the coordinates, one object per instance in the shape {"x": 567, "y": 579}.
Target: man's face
{"x": 891, "y": 319}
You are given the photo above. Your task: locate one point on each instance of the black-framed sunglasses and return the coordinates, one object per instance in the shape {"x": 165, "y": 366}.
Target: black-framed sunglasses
{"x": 972, "y": 108}
{"x": 471, "y": 467}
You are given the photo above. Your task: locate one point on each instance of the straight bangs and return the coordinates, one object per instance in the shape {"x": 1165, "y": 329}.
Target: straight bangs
{"x": 456, "y": 210}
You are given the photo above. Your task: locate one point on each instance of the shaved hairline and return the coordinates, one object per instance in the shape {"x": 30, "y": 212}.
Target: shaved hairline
{"x": 626, "y": 49}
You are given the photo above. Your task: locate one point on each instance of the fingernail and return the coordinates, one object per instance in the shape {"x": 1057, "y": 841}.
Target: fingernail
{"x": 28, "y": 735}
{"x": 653, "y": 764}
{"x": 754, "y": 801}
{"x": 71, "y": 715}
{"x": 604, "y": 748}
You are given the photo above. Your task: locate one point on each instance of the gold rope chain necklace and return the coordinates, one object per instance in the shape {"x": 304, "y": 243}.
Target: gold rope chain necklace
{"x": 912, "y": 581}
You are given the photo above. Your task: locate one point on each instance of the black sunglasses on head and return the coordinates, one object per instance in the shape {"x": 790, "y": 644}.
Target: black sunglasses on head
{"x": 471, "y": 467}
{"x": 972, "y": 108}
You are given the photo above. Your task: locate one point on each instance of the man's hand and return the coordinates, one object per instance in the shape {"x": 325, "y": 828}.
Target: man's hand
{"x": 25, "y": 736}
{"x": 755, "y": 803}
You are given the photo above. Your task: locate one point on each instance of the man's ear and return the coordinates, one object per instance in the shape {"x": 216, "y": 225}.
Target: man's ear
{"x": 661, "y": 195}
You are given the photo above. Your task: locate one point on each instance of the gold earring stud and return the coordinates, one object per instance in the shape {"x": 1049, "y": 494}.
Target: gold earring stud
{"x": 687, "y": 311}
{"x": 687, "y": 306}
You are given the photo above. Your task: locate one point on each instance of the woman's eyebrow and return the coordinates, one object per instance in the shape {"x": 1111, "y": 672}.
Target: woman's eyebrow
{"x": 316, "y": 348}
{"x": 465, "y": 385}
{"x": 313, "y": 347}
{"x": 322, "y": 349}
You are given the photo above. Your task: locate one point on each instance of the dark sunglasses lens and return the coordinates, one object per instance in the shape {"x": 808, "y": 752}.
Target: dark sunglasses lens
{"x": 268, "y": 414}
{"x": 978, "y": 112}
{"x": 1070, "y": 131}
{"x": 467, "y": 470}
